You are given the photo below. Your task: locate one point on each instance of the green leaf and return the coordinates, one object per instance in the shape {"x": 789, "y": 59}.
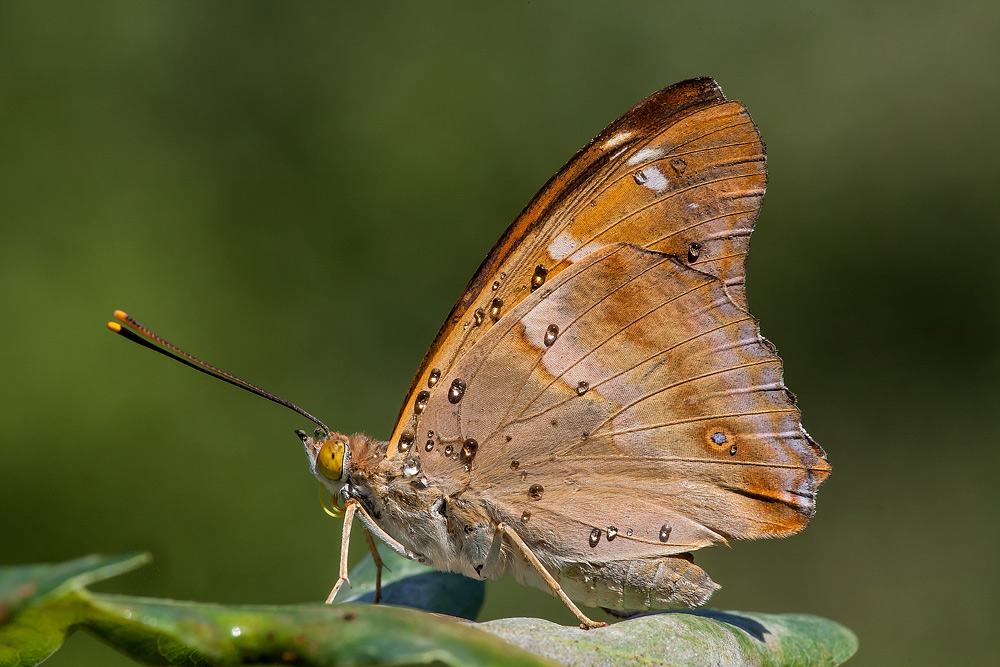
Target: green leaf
{"x": 37, "y": 605}
{"x": 167, "y": 632}
{"x": 406, "y": 583}
{"x": 41, "y": 604}
{"x": 687, "y": 638}
{"x": 30, "y": 584}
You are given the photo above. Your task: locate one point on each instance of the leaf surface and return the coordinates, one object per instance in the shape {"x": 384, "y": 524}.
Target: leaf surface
{"x": 41, "y": 604}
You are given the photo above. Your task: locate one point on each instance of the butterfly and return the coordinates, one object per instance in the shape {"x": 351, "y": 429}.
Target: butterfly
{"x": 600, "y": 402}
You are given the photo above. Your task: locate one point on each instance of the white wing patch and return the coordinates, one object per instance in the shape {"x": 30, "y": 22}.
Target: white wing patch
{"x": 645, "y": 155}
{"x": 655, "y": 180}
{"x": 562, "y": 245}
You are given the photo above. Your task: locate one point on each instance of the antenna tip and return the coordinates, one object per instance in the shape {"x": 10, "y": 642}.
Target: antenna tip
{"x": 114, "y": 326}
{"x": 121, "y": 315}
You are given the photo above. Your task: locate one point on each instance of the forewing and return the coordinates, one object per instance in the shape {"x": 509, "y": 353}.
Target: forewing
{"x": 630, "y": 396}
{"x": 683, "y": 172}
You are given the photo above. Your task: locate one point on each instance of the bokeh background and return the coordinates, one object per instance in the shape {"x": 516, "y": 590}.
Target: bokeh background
{"x": 298, "y": 192}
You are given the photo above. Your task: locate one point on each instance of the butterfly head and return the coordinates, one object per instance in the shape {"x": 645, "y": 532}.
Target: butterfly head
{"x": 329, "y": 457}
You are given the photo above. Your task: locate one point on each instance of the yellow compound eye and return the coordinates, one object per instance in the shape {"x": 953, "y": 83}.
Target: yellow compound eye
{"x": 331, "y": 459}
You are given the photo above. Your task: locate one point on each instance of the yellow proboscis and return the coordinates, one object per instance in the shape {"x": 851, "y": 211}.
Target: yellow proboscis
{"x": 336, "y": 512}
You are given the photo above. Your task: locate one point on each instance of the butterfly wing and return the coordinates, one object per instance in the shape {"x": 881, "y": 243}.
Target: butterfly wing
{"x": 682, "y": 172}
{"x": 630, "y": 396}
{"x": 601, "y": 374}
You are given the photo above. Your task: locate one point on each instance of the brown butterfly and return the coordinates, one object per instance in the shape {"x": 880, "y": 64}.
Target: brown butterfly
{"x": 600, "y": 402}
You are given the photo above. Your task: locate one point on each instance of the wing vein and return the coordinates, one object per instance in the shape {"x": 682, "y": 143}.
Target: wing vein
{"x": 647, "y": 427}
{"x": 521, "y": 416}
{"x": 576, "y": 319}
{"x": 640, "y": 209}
{"x": 668, "y": 388}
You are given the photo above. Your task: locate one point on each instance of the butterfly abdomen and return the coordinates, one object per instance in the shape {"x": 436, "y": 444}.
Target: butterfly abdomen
{"x": 638, "y": 584}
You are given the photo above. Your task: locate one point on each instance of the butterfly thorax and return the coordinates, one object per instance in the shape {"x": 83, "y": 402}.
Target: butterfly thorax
{"x": 449, "y": 532}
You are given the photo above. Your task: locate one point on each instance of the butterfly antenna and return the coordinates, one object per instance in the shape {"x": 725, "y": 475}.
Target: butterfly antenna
{"x": 137, "y": 333}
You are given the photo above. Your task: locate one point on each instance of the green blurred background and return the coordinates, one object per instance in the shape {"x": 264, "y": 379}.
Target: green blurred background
{"x": 298, "y": 192}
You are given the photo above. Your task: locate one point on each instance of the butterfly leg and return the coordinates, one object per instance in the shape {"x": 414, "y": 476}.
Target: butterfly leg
{"x": 378, "y": 565}
{"x": 350, "y": 507}
{"x": 376, "y": 530}
{"x": 585, "y": 622}
{"x": 353, "y": 508}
